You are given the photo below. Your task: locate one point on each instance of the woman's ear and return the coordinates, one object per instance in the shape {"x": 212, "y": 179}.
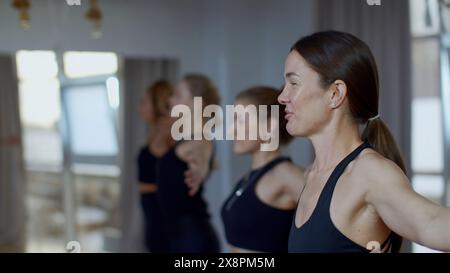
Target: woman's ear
{"x": 338, "y": 92}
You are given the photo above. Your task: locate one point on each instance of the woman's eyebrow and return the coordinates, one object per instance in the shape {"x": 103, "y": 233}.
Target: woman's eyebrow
{"x": 292, "y": 74}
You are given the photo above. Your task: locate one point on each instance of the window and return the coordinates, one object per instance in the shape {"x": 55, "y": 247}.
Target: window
{"x": 90, "y": 84}
{"x": 88, "y": 64}
{"x": 70, "y": 112}
{"x": 424, "y": 16}
{"x": 92, "y": 131}
{"x": 428, "y": 177}
{"x": 40, "y": 108}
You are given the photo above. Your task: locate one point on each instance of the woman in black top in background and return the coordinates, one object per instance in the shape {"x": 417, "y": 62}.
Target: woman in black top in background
{"x": 154, "y": 110}
{"x": 258, "y": 214}
{"x": 357, "y": 195}
{"x": 181, "y": 173}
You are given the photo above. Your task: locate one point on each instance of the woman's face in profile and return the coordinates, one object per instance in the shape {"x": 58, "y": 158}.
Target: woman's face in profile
{"x": 307, "y": 103}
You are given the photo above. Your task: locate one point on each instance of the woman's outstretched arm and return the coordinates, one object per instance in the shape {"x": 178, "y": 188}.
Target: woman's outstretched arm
{"x": 402, "y": 209}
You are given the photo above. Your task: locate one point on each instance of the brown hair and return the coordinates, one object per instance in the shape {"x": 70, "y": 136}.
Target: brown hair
{"x": 264, "y": 95}
{"x": 159, "y": 94}
{"x": 341, "y": 56}
{"x": 202, "y": 86}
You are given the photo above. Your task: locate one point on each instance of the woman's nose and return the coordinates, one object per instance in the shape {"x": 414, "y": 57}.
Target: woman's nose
{"x": 283, "y": 98}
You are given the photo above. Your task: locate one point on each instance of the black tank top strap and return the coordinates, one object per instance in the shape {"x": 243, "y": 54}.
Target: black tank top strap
{"x": 255, "y": 175}
{"x": 337, "y": 172}
{"x": 387, "y": 244}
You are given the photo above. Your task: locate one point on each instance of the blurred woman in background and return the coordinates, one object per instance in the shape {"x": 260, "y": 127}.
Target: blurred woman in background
{"x": 154, "y": 110}
{"x": 257, "y": 216}
{"x": 181, "y": 174}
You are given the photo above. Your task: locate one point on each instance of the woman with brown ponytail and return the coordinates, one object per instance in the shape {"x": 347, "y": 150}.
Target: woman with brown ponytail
{"x": 357, "y": 193}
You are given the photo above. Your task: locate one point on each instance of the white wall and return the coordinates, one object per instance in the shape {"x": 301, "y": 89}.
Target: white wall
{"x": 238, "y": 43}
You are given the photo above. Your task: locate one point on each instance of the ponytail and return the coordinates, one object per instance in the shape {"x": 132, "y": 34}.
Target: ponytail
{"x": 381, "y": 140}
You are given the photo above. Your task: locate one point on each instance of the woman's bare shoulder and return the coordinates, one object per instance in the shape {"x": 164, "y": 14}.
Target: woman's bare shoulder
{"x": 374, "y": 169}
{"x": 289, "y": 174}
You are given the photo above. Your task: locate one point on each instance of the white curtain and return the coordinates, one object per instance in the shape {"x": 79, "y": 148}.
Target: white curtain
{"x": 138, "y": 74}
{"x": 12, "y": 201}
{"x": 386, "y": 29}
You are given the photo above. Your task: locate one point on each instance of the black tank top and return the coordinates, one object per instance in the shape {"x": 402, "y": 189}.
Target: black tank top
{"x": 250, "y": 223}
{"x": 146, "y": 166}
{"x": 318, "y": 233}
{"x": 173, "y": 191}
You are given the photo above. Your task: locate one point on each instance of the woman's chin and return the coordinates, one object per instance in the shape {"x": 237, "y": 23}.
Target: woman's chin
{"x": 290, "y": 129}
{"x": 294, "y": 130}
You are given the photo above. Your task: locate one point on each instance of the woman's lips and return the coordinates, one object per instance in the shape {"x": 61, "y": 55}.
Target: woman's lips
{"x": 288, "y": 115}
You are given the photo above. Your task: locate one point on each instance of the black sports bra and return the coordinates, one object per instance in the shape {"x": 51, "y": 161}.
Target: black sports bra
{"x": 319, "y": 234}
{"x": 250, "y": 223}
